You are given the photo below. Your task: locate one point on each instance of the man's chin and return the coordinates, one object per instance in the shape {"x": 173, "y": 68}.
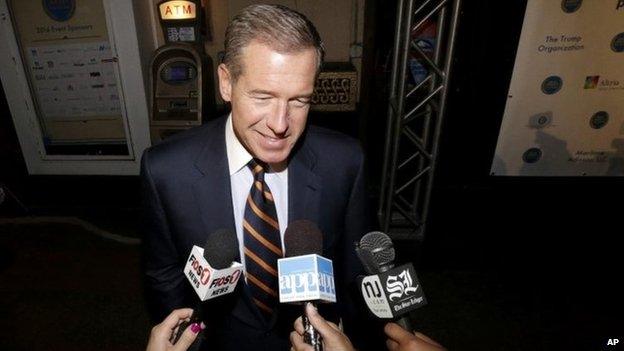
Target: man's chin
{"x": 273, "y": 159}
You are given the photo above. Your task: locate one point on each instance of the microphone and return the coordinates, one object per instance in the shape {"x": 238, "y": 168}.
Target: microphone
{"x": 389, "y": 292}
{"x": 212, "y": 271}
{"x": 376, "y": 252}
{"x": 304, "y": 275}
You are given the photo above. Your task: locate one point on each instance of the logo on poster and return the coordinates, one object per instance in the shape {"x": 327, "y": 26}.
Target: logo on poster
{"x": 569, "y": 6}
{"x": 552, "y": 85}
{"x": 532, "y": 155}
{"x": 591, "y": 82}
{"x": 59, "y": 10}
{"x": 617, "y": 44}
{"x": 599, "y": 119}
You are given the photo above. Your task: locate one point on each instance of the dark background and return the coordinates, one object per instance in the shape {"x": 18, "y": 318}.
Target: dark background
{"x": 508, "y": 263}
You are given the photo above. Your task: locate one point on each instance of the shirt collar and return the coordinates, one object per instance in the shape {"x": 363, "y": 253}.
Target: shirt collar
{"x": 238, "y": 157}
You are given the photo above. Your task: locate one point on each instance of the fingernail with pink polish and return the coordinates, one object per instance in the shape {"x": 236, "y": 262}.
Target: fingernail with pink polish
{"x": 195, "y": 328}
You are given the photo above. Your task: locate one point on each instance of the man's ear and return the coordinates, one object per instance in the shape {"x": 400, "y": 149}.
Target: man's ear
{"x": 225, "y": 82}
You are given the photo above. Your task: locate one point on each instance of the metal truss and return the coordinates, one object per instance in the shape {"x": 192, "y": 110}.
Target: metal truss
{"x": 415, "y": 115}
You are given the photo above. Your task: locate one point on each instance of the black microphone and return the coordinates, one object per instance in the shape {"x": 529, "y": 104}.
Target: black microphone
{"x": 302, "y": 237}
{"x": 376, "y": 252}
{"x": 213, "y": 272}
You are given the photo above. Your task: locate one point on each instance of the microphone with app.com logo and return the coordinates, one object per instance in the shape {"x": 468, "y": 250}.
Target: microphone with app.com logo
{"x": 304, "y": 275}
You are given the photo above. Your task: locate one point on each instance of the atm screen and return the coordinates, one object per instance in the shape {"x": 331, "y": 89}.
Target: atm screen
{"x": 178, "y": 72}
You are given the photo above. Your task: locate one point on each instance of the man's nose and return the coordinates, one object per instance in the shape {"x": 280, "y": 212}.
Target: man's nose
{"x": 278, "y": 121}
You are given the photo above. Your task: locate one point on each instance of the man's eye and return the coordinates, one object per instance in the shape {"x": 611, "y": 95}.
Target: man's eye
{"x": 262, "y": 97}
{"x": 301, "y": 102}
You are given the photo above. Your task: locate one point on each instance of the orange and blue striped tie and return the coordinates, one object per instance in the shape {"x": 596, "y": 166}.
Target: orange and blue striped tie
{"x": 262, "y": 242}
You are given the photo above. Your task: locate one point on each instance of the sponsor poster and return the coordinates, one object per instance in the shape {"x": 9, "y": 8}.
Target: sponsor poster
{"x": 71, "y": 68}
{"x": 564, "y": 114}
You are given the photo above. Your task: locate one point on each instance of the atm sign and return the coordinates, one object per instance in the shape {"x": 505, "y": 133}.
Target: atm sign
{"x": 177, "y": 10}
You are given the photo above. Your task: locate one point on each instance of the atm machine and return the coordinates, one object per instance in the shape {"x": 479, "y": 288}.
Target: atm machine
{"x": 181, "y": 78}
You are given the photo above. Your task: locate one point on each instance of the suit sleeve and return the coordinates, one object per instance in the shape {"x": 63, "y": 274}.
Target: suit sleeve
{"x": 164, "y": 284}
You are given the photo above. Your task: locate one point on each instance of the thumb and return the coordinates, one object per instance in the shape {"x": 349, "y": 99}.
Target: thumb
{"x": 187, "y": 338}
{"x": 319, "y": 323}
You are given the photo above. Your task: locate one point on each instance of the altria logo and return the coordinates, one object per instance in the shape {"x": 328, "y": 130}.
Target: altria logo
{"x": 400, "y": 285}
{"x": 592, "y": 82}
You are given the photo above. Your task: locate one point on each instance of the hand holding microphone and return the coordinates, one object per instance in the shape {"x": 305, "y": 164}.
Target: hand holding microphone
{"x": 333, "y": 338}
{"x": 304, "y": 275}
{"x": 160, "y": 336}
{"x": 212, "y": 271}
{"x": 389, "y": 292}
{"x": 392, "y": 292}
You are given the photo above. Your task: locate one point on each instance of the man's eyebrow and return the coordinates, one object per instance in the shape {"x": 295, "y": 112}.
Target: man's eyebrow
{"x": 260, "y": 92}
{"x": 267, "y": 92}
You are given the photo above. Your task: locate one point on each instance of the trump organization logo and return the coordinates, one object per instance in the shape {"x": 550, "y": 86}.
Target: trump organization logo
{"x": 570, "y": 6}
{"x": 552, "y": 85}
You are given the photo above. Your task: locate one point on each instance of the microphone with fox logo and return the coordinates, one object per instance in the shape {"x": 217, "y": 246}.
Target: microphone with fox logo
{"x": 304, "y": 275}
{"x": 389, "y": 292}
{"x": 212, "y": 271}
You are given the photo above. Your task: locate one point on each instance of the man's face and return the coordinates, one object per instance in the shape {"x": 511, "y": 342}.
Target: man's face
{"x": 270, "y": 100}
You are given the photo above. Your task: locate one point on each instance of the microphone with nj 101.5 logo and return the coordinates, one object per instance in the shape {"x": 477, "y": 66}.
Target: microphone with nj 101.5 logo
{"x": 212, "y": 270}
{"x": 304, "y": 275}
{"x": 389, "y": 292}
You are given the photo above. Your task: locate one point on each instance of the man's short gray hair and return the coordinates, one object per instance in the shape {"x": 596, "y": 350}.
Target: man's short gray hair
{"x": 282, "y": 29}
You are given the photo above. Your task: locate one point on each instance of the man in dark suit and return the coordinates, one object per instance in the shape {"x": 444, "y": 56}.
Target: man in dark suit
{"x": 254, "y": 172}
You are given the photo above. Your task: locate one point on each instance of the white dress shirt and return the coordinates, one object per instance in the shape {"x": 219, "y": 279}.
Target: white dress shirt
{"x": 241, "y": 180}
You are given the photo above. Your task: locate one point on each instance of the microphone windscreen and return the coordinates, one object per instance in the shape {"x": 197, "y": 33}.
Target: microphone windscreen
{"x": 368, "y": 261}
{"x": 303, "y": 237}
{"x": 380, "y": 247}
{"x": 221, "y": 249}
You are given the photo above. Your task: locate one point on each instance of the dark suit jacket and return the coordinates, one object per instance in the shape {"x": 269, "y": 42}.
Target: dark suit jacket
{"x": 186, "y": 193}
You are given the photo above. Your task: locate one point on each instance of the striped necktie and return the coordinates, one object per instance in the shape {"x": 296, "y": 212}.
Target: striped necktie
{"x": 262, "y": 242}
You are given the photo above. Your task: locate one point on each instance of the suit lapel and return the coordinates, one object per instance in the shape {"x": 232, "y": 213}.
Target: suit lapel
{"x": 304, "y": 187}
{"x": 213, "y": 189}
